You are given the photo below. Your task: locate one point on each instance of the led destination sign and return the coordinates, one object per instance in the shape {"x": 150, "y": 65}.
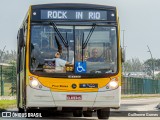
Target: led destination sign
{"x": 73, "y": 15}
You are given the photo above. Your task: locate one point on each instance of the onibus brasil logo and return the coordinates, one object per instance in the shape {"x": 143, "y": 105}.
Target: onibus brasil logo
{"x": 20, "y": 115}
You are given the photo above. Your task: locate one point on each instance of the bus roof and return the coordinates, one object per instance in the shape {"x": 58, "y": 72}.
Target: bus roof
{"x": 73, "y": 5}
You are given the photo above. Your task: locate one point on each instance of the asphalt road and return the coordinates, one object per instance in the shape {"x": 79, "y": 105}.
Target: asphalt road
{"x": 130, "y": 109}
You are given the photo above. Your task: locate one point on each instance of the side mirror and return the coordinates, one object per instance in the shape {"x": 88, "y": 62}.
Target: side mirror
{"x": 123, "y": 56}
{"x": 21, "y": 42}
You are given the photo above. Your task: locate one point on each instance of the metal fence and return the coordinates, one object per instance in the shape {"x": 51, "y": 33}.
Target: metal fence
{"x": 7, "y": 80}
{"x": 140, "y": 86}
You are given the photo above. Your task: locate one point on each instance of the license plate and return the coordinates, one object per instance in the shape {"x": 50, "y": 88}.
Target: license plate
{"x": 74, "y": 97}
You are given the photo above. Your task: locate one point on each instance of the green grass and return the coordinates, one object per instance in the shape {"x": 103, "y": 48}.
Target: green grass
{"x": 4, "y": 104}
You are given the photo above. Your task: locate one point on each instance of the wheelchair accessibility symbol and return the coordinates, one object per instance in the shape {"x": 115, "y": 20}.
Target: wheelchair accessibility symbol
{"x": 80, "y": 67}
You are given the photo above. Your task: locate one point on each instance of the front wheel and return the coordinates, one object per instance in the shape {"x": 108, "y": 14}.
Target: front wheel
{"x": 103, "y": 113}
{"x": 20, "y": 110}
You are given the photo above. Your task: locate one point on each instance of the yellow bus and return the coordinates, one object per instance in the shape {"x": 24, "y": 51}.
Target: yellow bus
{"x": 69, "y": 58}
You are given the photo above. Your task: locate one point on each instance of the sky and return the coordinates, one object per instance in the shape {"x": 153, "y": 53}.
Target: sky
{"x": 139, "y": 18}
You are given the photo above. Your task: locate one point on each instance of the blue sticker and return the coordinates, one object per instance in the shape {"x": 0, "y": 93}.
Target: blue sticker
{"x": 80, "y": 67}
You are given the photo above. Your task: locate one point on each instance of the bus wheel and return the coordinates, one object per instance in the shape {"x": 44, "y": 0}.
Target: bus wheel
{"x": 103, "y": 113}
{"x": 77, "y": 113}
{"x": 20, "y": 110}
{"x": 87, "y": 113}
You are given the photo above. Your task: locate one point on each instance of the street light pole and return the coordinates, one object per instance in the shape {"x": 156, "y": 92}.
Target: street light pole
{"x": 152, "y": 60}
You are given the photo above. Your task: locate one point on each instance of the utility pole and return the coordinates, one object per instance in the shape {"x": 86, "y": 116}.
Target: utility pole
{"x": 2, "y": 82}
{"x": 152, "y": 60}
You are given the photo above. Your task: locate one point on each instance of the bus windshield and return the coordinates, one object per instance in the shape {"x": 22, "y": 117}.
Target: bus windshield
{"x": 91, "y": 48}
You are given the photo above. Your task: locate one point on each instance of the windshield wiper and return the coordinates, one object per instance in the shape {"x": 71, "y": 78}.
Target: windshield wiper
{"x": 84, "y": 43}
{"x": 59, "y": 45}
{"x": 59, "y": 34}
{"x": 89, "y": 36}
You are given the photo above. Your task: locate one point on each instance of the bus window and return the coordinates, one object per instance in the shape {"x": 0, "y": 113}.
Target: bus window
{"x": 100, "y": 53}
{"x": 44, "y": 45}
{"x": 98, "y": 49}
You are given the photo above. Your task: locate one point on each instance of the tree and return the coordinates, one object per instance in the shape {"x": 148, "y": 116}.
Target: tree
{"x": 8, "y": 56}
{"x": 157, "y": 77}
{"x": 155, "y": 62}
{"x": 133, "y": 65}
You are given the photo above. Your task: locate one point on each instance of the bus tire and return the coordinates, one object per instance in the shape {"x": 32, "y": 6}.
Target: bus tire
{"x": 77, "y": 113}
{"x": 20, "y": 110}
{"x": 103, "y": 113}
{"x": 87, "y": 113}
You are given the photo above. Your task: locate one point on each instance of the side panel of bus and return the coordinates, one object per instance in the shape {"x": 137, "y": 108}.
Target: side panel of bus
{"x": 20, "y": 74}
{"x": 21, "y": 65}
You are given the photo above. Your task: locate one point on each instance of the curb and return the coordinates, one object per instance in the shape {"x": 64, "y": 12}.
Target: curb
{"x": 7, "y": 97}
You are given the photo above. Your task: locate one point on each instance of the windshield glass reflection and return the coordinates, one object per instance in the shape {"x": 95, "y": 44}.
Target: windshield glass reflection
{"x": 96, "y": 46}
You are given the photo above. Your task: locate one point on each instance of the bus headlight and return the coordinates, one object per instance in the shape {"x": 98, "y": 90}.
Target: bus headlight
{"x": 34, "y": 83}
{"x": 113, "y": 84}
